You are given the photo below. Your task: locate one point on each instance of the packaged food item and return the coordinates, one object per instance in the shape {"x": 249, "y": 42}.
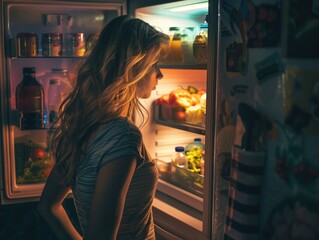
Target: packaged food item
{"x": 30, "y": 100}
{"x": 52, "y": 44}
{"x": 179, "y": 158}
{"x": 195, "y": 153}
{"x": 56, "y": 45}
{"x": 175, "y": 44}
{"x": 187, "y": 46}
{"x": 194, "y": 115}
{"x": 75, "y": 44}
{"x": 78, "y": 41}
{"x": 200, "y": 43}
{"x": 27, "y": 44}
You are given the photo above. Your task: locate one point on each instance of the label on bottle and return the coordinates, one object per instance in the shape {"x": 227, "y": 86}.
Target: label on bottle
{"x": 56, "y": 45}
{"x": 78, "y": 44}
{"x": 32, "y": 121}
{"x": 29, "y": 104}
{"x": 200, "y": 47}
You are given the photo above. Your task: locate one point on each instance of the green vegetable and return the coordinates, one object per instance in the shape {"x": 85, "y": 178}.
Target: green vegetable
{"x": 192, "y": 89}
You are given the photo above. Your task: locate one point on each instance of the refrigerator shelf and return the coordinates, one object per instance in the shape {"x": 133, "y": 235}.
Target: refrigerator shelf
{"x": 16, "y": 120}
{"x": 183, "y": 66}
{"x": 181, "y": 126}
{"x": 49, "y": 57}
{"x": 181, "y": 177}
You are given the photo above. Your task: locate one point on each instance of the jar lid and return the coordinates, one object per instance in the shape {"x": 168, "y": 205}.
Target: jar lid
{"x": 174, "y": 29}
{"x": 179, "y": 149}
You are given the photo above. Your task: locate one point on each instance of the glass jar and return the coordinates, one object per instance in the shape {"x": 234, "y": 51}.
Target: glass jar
{"x": 175, "y": 45}
{"x": 179, "y": 158}
{"x": 200, "y": 44}
{"x": 195, "y": 153}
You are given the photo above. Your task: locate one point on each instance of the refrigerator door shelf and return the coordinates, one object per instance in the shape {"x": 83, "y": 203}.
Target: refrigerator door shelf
{"x": 181, "y": 177}
{"x": 16, "y": 120}
{"x": 24, "y": 167}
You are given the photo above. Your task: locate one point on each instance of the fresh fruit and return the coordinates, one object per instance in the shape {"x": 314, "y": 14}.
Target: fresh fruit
{"x": 179, "y": 115}
{"x": 201, "y": 91}
{"x": 195, "y": 98}
{"x": 180, "y": 98}
{"x": 164, "y": 99}
{"x": 38, "y": 153}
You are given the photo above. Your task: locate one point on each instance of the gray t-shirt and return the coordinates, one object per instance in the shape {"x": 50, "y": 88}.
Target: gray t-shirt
{"x": 119, "y": 138}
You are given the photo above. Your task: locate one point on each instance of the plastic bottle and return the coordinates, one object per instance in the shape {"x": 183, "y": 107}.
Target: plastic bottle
{"x": 200, "y": 43}
{"x": 179, "y": 158}
{"x": 30, "y": 100}
{"x": 56, "y": 94}
{"x": 62, "y": 74}
{"x": 195, "y": 153}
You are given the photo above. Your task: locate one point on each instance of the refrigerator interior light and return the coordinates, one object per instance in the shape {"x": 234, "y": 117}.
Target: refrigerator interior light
{"x": 190, "y": 7}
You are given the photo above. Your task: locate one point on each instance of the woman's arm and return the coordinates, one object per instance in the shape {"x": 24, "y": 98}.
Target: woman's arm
{"x": 112, "y": 184}
{"x": 51, "y": 209}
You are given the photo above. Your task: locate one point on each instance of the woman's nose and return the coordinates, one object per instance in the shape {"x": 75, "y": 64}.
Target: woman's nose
{"x": 159, "y": 74}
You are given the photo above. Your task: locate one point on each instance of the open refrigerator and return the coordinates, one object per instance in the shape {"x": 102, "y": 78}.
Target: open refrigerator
{"x": 25, "y": 162}
{"x": 252, "y": 70}
{"x": 261, "y": 169}
{"x": 183, "y": 206}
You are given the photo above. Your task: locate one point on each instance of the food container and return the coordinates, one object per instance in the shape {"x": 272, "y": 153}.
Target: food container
{"x": 52, "y": 44}
{"x": 78, "y": 40}
{"x": 27, "y": 44}
{"x": 181, "y": 177}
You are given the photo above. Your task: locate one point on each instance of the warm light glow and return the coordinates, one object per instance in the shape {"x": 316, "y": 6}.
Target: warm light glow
{"x": 192, "y": 7}
{"x": 99, "y": 18}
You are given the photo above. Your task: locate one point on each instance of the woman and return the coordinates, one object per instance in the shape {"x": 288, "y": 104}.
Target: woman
{"x": 97, "y": 146}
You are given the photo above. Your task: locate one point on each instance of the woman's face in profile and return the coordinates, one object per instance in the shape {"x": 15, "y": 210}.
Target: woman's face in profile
{"x": 148, "y": 84}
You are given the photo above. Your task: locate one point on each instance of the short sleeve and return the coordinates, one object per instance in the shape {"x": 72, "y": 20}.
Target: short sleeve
{"x": 122, "y": 139}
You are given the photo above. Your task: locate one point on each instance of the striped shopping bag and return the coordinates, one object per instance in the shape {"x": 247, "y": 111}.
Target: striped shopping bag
{"x": 242, "y": 215}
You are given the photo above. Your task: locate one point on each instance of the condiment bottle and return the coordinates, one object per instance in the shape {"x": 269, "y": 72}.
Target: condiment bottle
{"x": 30, "y": 100}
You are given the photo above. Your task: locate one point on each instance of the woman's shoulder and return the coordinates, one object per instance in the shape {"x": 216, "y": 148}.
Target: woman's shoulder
{"x": 118, "y": 128}
{"x": 123, "y": 125}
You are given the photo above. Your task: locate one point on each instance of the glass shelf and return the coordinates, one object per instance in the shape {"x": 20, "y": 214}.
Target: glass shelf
{"x": 182, "y": 126}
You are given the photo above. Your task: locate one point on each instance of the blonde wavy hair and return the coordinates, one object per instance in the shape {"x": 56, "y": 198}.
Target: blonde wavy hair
{"x": 105, "y": 87}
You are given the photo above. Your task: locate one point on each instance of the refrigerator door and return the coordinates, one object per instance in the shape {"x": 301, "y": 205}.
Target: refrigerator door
{"x": 31, "y": 34}
{"x": 183, "y": 203}
{"x": 267, "y": 172}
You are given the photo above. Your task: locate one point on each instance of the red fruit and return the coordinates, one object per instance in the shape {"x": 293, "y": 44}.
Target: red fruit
{"x": 179, "y": 116}
{"x": 38, "y": 153}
